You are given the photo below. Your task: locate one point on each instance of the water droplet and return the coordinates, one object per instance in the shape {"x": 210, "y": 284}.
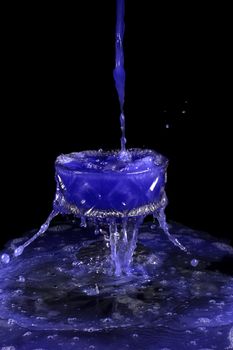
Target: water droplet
{"x": 135, "y": 335}
{"x": 204, "y": 320}
{"x": 27, "y": 334}
{"x": 194, "y": 262}
{"x": 39, "y": 301}
{"x": 5, "y": 258}
{"x": 83, "y": 221}
{"x": 53, "y": 336}
{"x": 72, "y": 319}
{"x": 193, "y": 342}
{"x": 18, "y": 251}
{"x": 21, "y": 279}
{"x": 90, "y": 330}
{"x": 41, "y": 318}
{"x": 97, "y": 289}
{"x": 76, "y": 338}
{"x": 18, "y": 292}
{"x": 11, "y": 321}
{"x": 97, "y": 231}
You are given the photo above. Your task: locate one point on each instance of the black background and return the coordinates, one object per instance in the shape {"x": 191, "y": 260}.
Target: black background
{"x": 59, "y": 97}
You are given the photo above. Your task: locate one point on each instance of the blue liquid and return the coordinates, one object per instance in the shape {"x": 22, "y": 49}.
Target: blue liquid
{"x": 113, "y": 189}
{"x": 62, "y": 293}
{"x": 117, "y": 188}
{"x": 119, "y": 71}
{"x": 92, "y": 180}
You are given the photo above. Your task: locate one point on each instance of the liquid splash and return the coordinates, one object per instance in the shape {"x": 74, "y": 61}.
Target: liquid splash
{"x": 122, "y": 238}
{"x": 111, "y": 192}
{"x": 66, "y": 295}
{"x": 18, "y": 251}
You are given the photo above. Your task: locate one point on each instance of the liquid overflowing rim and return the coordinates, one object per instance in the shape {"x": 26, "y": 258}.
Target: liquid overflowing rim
{"x": 159, "y": 160}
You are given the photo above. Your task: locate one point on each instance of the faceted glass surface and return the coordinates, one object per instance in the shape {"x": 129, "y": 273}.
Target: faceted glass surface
{"x": 122, "y": 183}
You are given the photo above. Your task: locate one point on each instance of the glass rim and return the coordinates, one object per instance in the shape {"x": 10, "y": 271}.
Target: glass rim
{"x": 159, "y": 161}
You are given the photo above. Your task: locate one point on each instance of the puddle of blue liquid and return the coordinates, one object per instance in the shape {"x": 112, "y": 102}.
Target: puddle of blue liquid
{"x": 61, "y": 293}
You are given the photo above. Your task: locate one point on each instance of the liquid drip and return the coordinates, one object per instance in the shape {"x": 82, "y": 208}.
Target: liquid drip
{"x": 5, "y": 258}
{"x": 18, "y": 251}
{"x": 122, "y": 239}
{"x": 164, "y": 226}
{"x": 119, "y": 71}
{"x": 123, "y": 242}
{"x": 83, "y": 222}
